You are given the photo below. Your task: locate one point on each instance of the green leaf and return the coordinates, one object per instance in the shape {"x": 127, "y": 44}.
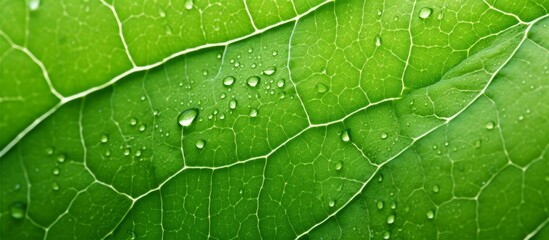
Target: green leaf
{"x": 340, "y": 120}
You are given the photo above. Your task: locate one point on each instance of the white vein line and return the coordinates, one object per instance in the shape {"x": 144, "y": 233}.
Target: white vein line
{"x": 410, "y": 49}
{"x": 35, "y": 60}
{"x": 120, "y": 32}
{"x": 144, "y": 68}
{"x": 524, "y": 37}
{"x": 533, "y": 233}
{"x": 249, "y": 14}
{"x": 290, "y": 73}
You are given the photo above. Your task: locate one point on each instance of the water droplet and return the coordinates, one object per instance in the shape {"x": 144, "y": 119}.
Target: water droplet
{"x": 17, "y": 210}
{"x": 127, "y": 152}
{"x": 331, "y": 203}
{"x": 386, "y": 235}
{"x": 188, "y": 4}
{"x": 142, "y": 127}
{"x": 50, "y": 150}
{"x": 338, "y": 166}
{"x": 232, "y": 104}
{"x": 200, "y": 144}
{"x": 391, "y": 219}
{"x": 425, "y": 12}
{"x": 430, "y": 214}
{"x": 345, "y": 135}
{"x": 61, "y": 158}
{"x": 161, "y": 12}
{"x": 321, "y": 88}
{"x": 34, "y": 4}
{"x": 222, "y": 116}
{"x": 280, "y": 83}
{"x": 187, "y": 117}
{"x": 138, "y": 153}
{"x": 269, "y": 71}
{"x": 253, "y": 81}
{"x": 393, "y": 205}
{"x": 228, "y": 81}
{"x": 104, "y": 138}
{"x": 205, "y": 73}
{"x": 108, "y": 153}
{"x": 490, "y": 125}
{"x": 380, "y": 204}
{"x": 56, "y": 171}
{"x": 379, "y": 12}
{"x": 219, "y": 56}
{"x": 275, "y": 53}
{"x": 168, "y": 29}
{"x": 478, "y": 143}
{"x": 384, "y": 136}
{"x": 378, "y": 40}
{"x": 55, "y": 186}
{"x": 436, "y": 188}
{"x": 253, "y": 112}
{"x": 133, "y": 121}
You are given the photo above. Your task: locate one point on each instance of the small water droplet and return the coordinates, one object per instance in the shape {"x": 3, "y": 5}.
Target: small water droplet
{"x": 380, "y": 178}
{"x": 205, "y": 73}
{"x": 379, "y": 12}
{"x": 187, "y": 117}
{"x": 393, "y": 205}
{"x": 188, "y": 4}
{"x": 253, "y": 81}
{"x": 222, "y": 116}
{"x": 108, "y": 153}
{"x": 34, "y": 4}
{"x": 478, "y": 143}
{"x": 127, "y": 152}
{"x": 346, "y": 135}
{"x": 269, "y": 71}
{"x": 55, "y": 186}
{"x": 232, "y": 104}
{"x": 280, "y": 83}
{"x": 56, "y": 171}
{"x": 436, "y": 188}
{"x": 321, "y": 88}
{"x": 331, "y": 203}
{"x": 138, "y": 153}
{"x": 378, "y": 41}
{"x": 384, "y": 136}
{"x": 253, "y": 112}
{"x": 200, "y": 144}
{"x": 228, "y": 81}
{"x": 142, "y": 127}
{"x": 338, "y": 166}
{"x": 61, "y": 158}
{"x": 391, "y": 219}
{"x": 50, "y": 150}
{"x": 379, "y": 204}
{"x": 425, "y": 12}
{"x": 133, "y": 121}
{"x": 430, "y": 214}
{"x": 275, "y": 53}
{"x": 386, "y": 235}
{"x": 168, "y": 29}
{"x": 17, "y": 210}
{"x": 104, "y": 138}
{"x": 490, "y": 125}
{"x": 161, "y": 12}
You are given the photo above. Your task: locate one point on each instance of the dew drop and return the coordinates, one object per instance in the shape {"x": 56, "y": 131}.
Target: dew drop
{"x": 133, "y": 121}
{"x": 280, "y": 83}
{"x": 346, "y": 135}
{"x": 188, "y": 4}
{"x": 338, "y": 166}
{"x": 321, "y": 88}
{"x": 391, "y": 219}
{"x": 331, "y": 203}
{"x": 61, "y": 158}
{"x": 34, "y": 4}
{"x": 168, "y": 29}
{"x": 50, "y": 151}
{"x": 490, "y": 125}
{"x": 253, "y": 81}
{"x": 108, "y": 153}
{"x": 138, "y": 153}
{"x": 17, "y": 210}
{"x": 436, "y": 188}
{"x": 56, "y": 171}
{"x": 200, "y": 144}
{"x": 104, "y": 138}
{"x": 430, "y": 214}
{"x": 386, "y": 235}
{"x": 232, "y": 104}
{"x": 393, "y": 205}
{"x": 384, "y": 136}
{"x": 253, "y": 112}
{"x": 379, "y": 204}
{"x": 380, "y": 178}
{"x": 142, "y": 127}
{"x": 187, "y": 117}
{"x": 127, "y": 152}
{"x": 378, "y": 41}
{"x": 228, "y": 81}
{"x": 269, "y": 71}
{"x": 161, "y": 12}
{"x": 425, "y": 12}
{"x": 55, "y": 186}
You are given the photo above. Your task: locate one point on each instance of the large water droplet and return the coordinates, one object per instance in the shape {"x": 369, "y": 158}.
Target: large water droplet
{"x": 17, "y": 210}
{"x": 232, "y": 104}
{"x": 253, "y": 112}
{"x": 253, "y": 81}
{"x": 228, "y": 81}
{"x": 34, "y": 4}
{"x": 378, "y": 41}
{"x": 269, "y": 71}
{"x": 346, "y": 135}
{"x": 200, "y": 144}
{"x": 104, "y": 138}
{"x": 321, "y": 88}
{"x": 430, "y": 214}
{"x": 142, "y": 127}
{"x": 391, "y": 219}
{"x": 187, "y": 117}
{"x": 425, "y": 12}
{"x": 280, "y": 83}
{"x": 188, "y": 4}
{"x": 133, "y": 121}
{"x": 384, "y": 135}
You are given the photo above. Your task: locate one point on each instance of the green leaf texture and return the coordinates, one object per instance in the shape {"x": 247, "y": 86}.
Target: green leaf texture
{"x": 341, "y": 119}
